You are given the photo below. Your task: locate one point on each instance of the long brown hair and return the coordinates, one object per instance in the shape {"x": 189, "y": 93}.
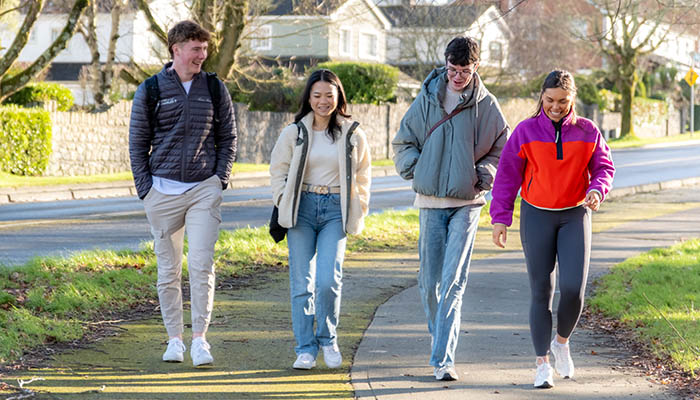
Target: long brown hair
{"x": 559, "y": 79}
{"x": 324, "y": 75}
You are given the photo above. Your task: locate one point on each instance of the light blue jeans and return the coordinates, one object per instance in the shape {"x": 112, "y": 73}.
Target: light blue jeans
{"x": 445, "y": 248}
{"x": 316, "y": 251}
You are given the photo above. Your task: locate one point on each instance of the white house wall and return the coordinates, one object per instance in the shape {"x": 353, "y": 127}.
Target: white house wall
{"x": 428, "y": 44}
{"x": 490, "y": 28}
{"x": 135, "y": 37}
{"x": 356, "y": 18}
{"x": 290, "y": 36}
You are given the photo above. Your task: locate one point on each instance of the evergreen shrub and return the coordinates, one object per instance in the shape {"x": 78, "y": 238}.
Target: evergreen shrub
{"x": 25, "y": 140}
{"x": 41, "y": 92}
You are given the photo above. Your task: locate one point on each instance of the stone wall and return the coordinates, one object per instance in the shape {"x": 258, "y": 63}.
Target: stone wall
{"x": 97, "y": 143}
{"x": 90, "y": 143}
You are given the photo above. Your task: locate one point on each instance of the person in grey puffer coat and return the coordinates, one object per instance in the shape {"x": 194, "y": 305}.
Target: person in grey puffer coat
{"x": 449, "y": 143}
{"x": 181, "y": 159}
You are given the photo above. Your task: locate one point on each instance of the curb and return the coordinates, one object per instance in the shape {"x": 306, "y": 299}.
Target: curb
{"x": 240, "y": 181}
{"x": 84, "y": 191}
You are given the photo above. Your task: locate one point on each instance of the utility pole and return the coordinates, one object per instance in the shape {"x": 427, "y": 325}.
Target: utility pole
{"x": 690, "y": 79}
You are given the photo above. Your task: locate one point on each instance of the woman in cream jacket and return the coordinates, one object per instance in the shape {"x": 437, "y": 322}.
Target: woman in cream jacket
{"x": 320, "y": 175}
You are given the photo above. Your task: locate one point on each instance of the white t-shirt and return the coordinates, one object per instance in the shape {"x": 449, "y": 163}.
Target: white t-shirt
{"x": 322, "y": 167}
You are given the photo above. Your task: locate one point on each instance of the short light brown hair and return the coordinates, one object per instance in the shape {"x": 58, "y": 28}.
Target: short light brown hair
{"x": 185, "y": 31}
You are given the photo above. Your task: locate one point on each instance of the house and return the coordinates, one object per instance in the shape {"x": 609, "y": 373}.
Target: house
{"x": 420, "y": 33}
{"x": 397, "y": 32}
{"x": 304, "y": 34}
{"x": 136, "y": 42}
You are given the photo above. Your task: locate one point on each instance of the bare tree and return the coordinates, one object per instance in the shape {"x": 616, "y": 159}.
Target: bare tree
{"x": 102, "y": 75}
{"x": 631, "y": 29}
{"x": 552, "y": 28}
{"x": 12, "y": 83}
{"x": 226, "y": 19}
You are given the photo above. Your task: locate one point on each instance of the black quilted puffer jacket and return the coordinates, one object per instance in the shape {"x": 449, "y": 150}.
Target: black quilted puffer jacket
{"x": 182, "y": 143}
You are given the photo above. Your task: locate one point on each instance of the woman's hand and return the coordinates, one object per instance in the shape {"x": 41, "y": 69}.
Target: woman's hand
{"x": 500, "y": 235}
{"x": 592, "y": 200}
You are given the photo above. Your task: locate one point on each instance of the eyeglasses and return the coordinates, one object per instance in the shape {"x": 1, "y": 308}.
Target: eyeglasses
{"x": 451, "y": 71}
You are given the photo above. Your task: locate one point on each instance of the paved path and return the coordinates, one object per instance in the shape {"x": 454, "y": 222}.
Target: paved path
{"x": 495, "y": 356}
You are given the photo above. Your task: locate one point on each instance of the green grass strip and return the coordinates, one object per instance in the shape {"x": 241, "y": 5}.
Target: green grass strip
{"x": 657, "y": 295}
{"x": 634, "y": 141}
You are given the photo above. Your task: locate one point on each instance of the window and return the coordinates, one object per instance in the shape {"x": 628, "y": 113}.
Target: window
{"x": 369, "y": 44}
{"x": 345, "y": 41}
{"x": 262, "y": 39}
{"x": 33, "y": 36}
{"x": 496, "y": 52}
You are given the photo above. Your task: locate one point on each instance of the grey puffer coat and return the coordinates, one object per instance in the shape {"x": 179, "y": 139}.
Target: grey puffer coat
{"x": 460, "y": 157}
{"x": 183, "y": 143}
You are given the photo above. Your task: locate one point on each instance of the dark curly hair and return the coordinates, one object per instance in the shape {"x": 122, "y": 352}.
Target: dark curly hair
{"x": 462, "y": 50}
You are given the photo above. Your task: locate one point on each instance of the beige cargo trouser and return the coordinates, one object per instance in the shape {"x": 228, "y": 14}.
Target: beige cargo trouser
{"x": 199, "y": 212}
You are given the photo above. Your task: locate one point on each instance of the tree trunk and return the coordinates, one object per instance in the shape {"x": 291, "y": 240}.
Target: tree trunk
{"x": 223, "y": 59}
{"x": 90, "y": 34}
{"x": 12, "y": 84}
{"x": 627, "y": 91}
{"x": 107, "y": 71}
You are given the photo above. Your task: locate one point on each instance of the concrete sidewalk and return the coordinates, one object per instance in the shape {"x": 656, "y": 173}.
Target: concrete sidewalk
{"x": 495, "y": 358}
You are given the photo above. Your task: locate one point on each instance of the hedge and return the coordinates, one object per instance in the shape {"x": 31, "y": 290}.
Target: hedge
{"x": 365, "y": 83}
{"x": 41, "y": 92}
{"x": 25, "y": 140}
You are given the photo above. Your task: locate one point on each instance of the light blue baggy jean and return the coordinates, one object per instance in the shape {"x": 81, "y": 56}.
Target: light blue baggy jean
{"x": 445, "y": 248}
{"x": 316, "y": 252}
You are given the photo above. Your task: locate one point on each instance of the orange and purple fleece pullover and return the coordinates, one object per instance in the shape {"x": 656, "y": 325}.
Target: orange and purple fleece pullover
{"x": 553, "y": 165}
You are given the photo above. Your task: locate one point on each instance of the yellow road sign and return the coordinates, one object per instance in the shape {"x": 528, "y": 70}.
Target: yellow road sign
{"x": 690, "y": 77}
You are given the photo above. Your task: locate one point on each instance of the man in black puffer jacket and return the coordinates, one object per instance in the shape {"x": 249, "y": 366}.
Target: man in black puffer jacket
{"x": 182, "y": 151}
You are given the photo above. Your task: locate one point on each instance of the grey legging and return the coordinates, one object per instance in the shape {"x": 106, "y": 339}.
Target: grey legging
{"x": 548, "y": 236}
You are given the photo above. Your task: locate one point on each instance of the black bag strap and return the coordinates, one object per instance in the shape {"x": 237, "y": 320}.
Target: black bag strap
{"x": 152, "y": 97}
{"x": 454, "y": 112}
{"x": 215, "y": 92}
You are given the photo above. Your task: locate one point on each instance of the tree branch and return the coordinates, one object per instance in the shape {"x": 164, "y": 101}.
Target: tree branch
{"x": 21, "y": 39}
{"x": 16, "y": 82}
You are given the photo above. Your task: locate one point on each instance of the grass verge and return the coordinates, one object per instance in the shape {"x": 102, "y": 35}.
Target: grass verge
{"x": 656, "y": 295}
{"x": 634, "y": 141}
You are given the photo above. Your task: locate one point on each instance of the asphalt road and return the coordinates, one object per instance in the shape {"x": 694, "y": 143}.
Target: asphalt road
{"x": 60, "y": 228}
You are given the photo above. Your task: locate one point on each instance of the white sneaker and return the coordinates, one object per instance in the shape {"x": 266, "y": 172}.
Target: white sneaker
{"x": 304, "y": 361}
{"x": 562, "y": 359}
{"x": 446, "y": 373}
{"x": 175, "y": 351}
{"x": 200, "y": 352}
{"x": 331, "y": 356}
{"x": 544, "y": 377}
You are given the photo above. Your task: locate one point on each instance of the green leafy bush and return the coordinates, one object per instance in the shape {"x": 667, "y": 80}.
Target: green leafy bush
{"x": 267, "y": 90}
{"x": 41, "y": 92}
{"x": 588, "y": 93}
{"x": 365, "y": 83}
{"x": 25, "y": 140}
{"x": 612, "y": 100}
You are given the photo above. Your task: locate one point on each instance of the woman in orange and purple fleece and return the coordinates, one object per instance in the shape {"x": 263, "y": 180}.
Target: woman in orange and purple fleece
{"x": 563, "y": 169}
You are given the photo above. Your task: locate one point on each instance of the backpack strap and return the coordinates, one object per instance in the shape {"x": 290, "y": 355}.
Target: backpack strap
{"x": 215, "y": 93}
{"x": 152, "y": 98}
